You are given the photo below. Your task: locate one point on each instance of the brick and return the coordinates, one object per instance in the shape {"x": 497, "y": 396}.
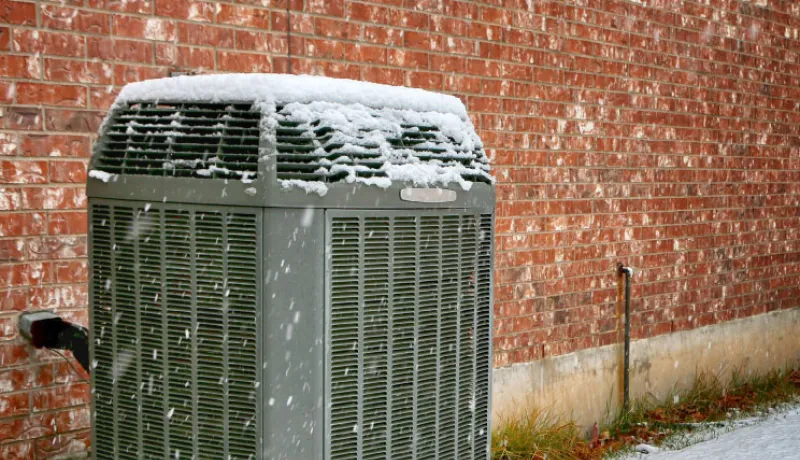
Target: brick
{"x": 15, "y": 353}
{"x": 203, "y": 34}
{"x": 72, "y": 19}
{"x": 56, "y": 247}
{"x": 260, "y": 42}
{"x": 325, "y": 49}
{"x": 119, "y": 49}
{"x": 326, "y": 7}
{"x": 67, "y": 171}
{"x": 61, "y": 396}
{"x": 71, "y": 272}
{"x": 12, "y": 250}
{"x": 72, "y": 71}
{"x": 242, "y": 62}
{"x": 366, "y": 54}
{"x": 63, "y": 445}
{"x": 380, "y": 35}
{"x": 154, "y": 29}
{"x": 409, "y": 19}
{"x": 20, "y": 67}
{"x": 50, "y": 94}
{"x": 5, "y": 38}
{"x": 49, "y": 43}
{"x": 412, "y": 59}
{"x": 13, "y": 299}
{"x": 23, "y": 172}
{"x": 9, "y": 144}
{"x": 190, "y": 10}
{"x": 425, "y": 80}
{"x": 22, "y": 224}
{"x": 243, "y": 16}
{"x": 364, "y": 12}
{"x": 48, "y": 198}
{"x": 333, "y": 28}
{"x": 338, "y": 70}
{"x": 81, "y": 121}
{"x": 47, "y": 145}
{"x": 101, "y": 97}
{"x": 128, "y": 6}
{"x": 124, "y": 74}
{"x": 74, "y": 419}
{"x": 14, "y": 404}
{"x": 18, "y": 450}
{"x": 23, "y": 118}
{"x": 60, "y": 297}
{"x": 18, "y": 13}
{"x": 383, "y": 75}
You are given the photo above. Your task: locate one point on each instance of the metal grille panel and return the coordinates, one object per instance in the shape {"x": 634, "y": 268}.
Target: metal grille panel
{"x": 409, "y": 336}
{"x": 182, "y": 140}
{"x": 174, "y": 296}
{"x": 313, "y": 151}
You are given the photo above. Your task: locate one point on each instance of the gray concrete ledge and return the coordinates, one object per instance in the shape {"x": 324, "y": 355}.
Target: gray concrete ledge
{"x": 584, "y": 386}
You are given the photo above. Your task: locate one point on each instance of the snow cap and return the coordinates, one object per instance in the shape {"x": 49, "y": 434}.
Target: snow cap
{"x": 282, "y": 88}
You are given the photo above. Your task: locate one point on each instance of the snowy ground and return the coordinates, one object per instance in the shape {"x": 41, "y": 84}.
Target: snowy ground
{"x": 776, "y": 436}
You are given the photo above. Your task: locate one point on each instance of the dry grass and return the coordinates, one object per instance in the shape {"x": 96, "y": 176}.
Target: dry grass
{"x": 534, "y": 435}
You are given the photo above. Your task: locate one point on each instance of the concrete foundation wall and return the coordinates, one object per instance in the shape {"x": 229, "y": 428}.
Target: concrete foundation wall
{"x": 585, "y": 385}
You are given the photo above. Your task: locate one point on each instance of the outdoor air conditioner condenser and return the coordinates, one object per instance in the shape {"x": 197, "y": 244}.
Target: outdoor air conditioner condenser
{"x": 289, "y": 267}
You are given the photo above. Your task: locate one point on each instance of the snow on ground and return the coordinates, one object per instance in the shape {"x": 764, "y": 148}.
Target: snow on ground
{"x": 774, "y": 437}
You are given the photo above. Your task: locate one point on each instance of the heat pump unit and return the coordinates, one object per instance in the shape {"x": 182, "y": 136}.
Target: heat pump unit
{"x": 292, "y": 268}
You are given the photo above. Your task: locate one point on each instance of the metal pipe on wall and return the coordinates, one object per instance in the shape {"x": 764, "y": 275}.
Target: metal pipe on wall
{"x": 627, "y": 272}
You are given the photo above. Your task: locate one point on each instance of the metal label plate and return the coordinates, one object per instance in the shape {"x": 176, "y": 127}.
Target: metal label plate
{"x": 428, "y": 195}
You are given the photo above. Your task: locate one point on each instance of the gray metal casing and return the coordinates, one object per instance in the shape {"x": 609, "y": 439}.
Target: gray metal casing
{"x": 293, "y": 243}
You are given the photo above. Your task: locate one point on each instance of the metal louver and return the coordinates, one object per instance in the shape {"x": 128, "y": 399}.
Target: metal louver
{"x": 206, "y": 140}
{"x": 408, "y": 335}
{"x": 175, "y": 316}
{"x": 314, "y": 152}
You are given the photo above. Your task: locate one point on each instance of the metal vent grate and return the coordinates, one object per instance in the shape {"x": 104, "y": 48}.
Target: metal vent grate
{"x": 182, "y": 140}
{"x": 317, "y": 152}
{"x": 174, "y": 295}
{"x": 409, "y": 336}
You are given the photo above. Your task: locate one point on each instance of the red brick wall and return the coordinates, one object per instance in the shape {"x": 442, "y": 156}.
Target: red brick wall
{"x": 660, "y": 133}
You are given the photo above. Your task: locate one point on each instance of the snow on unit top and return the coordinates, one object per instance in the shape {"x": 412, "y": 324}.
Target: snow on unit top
{"x": 321, "y": 131}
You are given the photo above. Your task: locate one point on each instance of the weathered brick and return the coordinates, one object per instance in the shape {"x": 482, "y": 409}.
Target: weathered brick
{"x": 242, "y": 62}
{"x": 23, "y": 172}
{"x": 155, "y": 29}
{"x": 61, "y": 297}
{"x": 243, "y": 16}
{"x": 18, "y": 13}
{"x": 128, "y": 6}
{"x": 22, "y": 224}
{"x": 71, "y": 272}
{"x": 48, "y": 145}
{"x": 56, "y": 247}
{"x": 191, "y": 10}
{"x": 60, "y": 397}
{"x": 49, "y": 43}
{"x": 20, "y": 66}
{"x": 110, "y": 49}
{"x": 72, "y": 19}
{"x": 326, "y": 7}
{"x": 50, "y": 94}
{"x": 83, "y": 121}
{"x": 18, "y": 451}
{"x": 209, "y": 35}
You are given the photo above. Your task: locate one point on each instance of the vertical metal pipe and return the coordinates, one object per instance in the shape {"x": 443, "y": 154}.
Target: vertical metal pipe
{"x": 626, "y": 397}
